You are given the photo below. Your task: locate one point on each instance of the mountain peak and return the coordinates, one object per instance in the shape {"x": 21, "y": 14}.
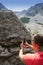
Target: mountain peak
{"x": 2, "y": 7}
{"x": 38, "y": 8}
{"x": 39, "y": 4}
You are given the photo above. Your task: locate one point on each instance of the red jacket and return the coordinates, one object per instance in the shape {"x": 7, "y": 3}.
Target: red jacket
{"x": 34, "y": 59}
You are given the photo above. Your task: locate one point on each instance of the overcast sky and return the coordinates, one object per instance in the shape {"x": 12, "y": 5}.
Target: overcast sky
{"x": 18, "y": 5}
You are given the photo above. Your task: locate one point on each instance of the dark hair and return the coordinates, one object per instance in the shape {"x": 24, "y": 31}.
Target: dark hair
{"x": 38, "y": 39}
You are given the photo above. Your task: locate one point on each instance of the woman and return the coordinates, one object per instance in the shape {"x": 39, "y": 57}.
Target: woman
{"x": 34, "y": 58}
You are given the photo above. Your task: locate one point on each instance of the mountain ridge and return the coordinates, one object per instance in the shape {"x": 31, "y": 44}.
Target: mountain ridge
{"x": 33, "y": 10}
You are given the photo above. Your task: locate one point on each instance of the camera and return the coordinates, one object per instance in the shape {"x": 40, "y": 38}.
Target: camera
{"x": 24, "y": 40}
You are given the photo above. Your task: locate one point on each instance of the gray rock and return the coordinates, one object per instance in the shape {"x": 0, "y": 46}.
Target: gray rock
{"x": 12, "y": 33}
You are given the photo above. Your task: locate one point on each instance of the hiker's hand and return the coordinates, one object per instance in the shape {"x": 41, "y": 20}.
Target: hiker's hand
{"x": 29, "y": 45}
{"x": 22, "y": 45}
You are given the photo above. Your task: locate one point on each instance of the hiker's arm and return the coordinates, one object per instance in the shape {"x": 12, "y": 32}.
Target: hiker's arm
{"x": 21, "y": 55}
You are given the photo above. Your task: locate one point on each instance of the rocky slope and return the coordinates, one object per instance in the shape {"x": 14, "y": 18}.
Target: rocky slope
{"x": 35, "y": 24}
{"x": 12, "y": 33}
